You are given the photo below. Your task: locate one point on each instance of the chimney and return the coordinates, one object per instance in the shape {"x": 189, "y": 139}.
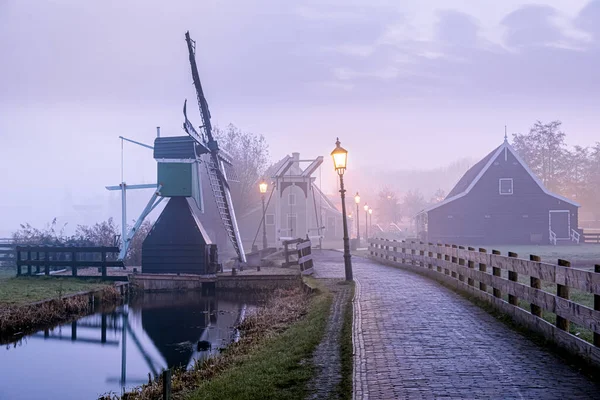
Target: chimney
{"x": 296, "y": 164}
{"x": 158, "y": 131}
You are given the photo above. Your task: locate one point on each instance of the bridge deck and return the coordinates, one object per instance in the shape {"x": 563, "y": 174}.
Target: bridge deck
{"x": 416, "y": 339}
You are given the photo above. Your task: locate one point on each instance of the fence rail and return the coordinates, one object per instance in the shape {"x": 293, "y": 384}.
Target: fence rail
{"x": 476, "y": 272}
{"x": 589, "y": 237}
{"x": 46, "y": 257}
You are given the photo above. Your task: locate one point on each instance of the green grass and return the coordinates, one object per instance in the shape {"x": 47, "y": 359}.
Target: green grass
{"x": 344, "y": 389}
{"x": 280, "y": 367}
{"x": 23, "y": 290}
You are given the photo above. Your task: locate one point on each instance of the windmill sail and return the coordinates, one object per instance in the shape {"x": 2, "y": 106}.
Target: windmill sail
{"x": 216, "y": 166}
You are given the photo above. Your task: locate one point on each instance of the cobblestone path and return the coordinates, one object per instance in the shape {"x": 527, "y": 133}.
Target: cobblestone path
{"x": 415, "y": 339}
{"x": 327, "y": 355}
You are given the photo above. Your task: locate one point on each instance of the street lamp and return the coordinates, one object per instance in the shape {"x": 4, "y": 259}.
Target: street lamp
{"x": 366, "y": 208}
{"x": 263, "y": 186}
{"x": 371, "y": 216}
{"x": 340, "y": 157}
{"x": 357, "y": 201}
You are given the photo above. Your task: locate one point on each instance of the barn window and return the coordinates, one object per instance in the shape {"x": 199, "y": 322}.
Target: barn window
{"x": 487, "y": 216}
{"x": 506, "y": 186}
{"x": 450, "y": 216}
{"x": 292, "y": 199}
{"x": 270, "y": 219}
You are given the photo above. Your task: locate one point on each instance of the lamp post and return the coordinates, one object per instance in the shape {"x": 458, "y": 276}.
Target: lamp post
{"x": 340, "y": 157}
{"x": 366, "y": 208}
{"x": 357, "y": 201}
{"x": 262, "y": 186}
{"x": 371, "y": 216}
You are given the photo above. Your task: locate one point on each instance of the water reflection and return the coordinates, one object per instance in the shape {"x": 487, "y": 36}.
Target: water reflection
{"x": 109, "y": 351}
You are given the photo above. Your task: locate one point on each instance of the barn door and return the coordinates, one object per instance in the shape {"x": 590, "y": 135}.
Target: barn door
{"x": 560, "y": 223}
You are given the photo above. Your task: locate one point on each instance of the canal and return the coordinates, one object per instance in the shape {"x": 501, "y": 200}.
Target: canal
{"x": 106, "y": 352}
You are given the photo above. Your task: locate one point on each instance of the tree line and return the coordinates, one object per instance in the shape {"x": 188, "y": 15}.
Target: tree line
{"x": 573, "y": 172}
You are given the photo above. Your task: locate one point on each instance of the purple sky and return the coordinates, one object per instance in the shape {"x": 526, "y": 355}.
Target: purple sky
{"x": 403, "y": 84}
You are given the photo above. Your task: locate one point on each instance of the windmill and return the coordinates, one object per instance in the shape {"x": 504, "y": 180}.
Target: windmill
{"x": 177, "y": 242}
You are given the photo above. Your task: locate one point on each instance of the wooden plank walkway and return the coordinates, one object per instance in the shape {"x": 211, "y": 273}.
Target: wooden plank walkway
{"x": 415, "y": 339}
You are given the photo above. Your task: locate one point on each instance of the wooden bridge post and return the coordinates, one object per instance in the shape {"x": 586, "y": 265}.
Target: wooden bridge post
{"x": 73, "y": 263}
{"x": 461, "y": 262}
{"x": 471, "y": 265}
{"x": 496, "y": 272}
{"x": 597, "y": 308}
{"x": 535, "y": 283}
{"x": 46, "y": 263}
{"x": 482, "y": 268}
{"x": 103, "y": 263}
{"x": 563, "y": 292}
{"x": 513, "y": 276}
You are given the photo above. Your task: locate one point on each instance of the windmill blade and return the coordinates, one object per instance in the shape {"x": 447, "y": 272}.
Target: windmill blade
{"x": 216, "y": 164}
{"x": 190, "y": 130}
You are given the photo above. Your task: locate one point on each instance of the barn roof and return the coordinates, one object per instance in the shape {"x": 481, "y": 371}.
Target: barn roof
{"x": 474, "y": 174}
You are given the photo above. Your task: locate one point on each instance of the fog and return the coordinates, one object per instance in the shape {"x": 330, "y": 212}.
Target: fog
{"x": 406, "y": 86}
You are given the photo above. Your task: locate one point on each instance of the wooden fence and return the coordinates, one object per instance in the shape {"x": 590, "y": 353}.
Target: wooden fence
{"x": 301, "y": 254}
{"x": 591, "y": 237}
{"x": 45, "y": 257}
{"x": 480, "y": 274}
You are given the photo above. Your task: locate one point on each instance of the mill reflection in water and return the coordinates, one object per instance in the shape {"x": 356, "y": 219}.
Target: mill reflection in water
{"x": 153, "y": 332}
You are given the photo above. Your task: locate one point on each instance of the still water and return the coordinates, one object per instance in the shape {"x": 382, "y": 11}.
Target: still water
{"x": 105, "y": 352}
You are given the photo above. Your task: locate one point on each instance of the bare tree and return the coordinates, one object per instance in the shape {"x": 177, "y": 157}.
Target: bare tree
{"x": 250, "y": 154}
{"x": 388, "y": 206}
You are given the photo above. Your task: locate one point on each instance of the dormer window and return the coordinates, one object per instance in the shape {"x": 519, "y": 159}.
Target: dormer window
{"x": 505, "y": 186}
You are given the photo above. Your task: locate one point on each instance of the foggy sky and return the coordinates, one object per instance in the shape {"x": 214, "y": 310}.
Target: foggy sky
{"x": 403, "y": 84}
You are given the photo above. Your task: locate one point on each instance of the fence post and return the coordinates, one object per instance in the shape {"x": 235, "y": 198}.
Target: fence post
{"x": 166, "y": 385}
{"x": 429, "y": 255}
{"x": 535, "y": 283}
{"x": 422, "y": 254}
{"x": 29, "y": 263}
{"x": 439, "y": 257}
{"x": 73, "y": 261}
{"x": 103, "y": 263}
{"x": 513, "y": 276}
{"x": 461, "y": 261}
{"x": 18, "y": 261}
{"x": 446, "y": 258}
{"x": 597, "y": 308}
{"x": 46, "y": 263}
{"x": 471, "y": 265}
{"x": 482, "y": 268}
{"x": 37, "y": 258}
{"x": 454, "y": 260}
{"x": 563, "y": 292}
{"x": 496, "y": 272}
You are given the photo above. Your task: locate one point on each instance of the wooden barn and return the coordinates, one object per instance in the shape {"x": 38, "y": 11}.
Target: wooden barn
{"x": 500, "y": 201}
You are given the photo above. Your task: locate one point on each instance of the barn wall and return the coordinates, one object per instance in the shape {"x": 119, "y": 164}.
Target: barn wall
{"x": 487, "y": 217}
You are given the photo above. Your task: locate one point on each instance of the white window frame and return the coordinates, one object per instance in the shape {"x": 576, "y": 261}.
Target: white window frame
{"x": 267, "y": 219}
{"x": 290, "y": 197}
{"x": 512, "y": 186}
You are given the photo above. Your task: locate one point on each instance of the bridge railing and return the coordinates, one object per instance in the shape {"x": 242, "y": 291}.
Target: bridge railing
{"x": 518, "y": 287}
{"x": 43, "y": 258}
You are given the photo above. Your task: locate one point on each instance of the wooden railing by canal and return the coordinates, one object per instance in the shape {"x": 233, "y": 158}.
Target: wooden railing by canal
{"x": 481, "y": 274}
{"x": 45, "y": 257}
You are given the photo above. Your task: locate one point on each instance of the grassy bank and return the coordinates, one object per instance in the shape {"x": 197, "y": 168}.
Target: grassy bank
{"x": 22, "y": 310}
{"x": 24, "y": 290}
{"x": 272, "y": 359}
{"x": 344, "y": 389}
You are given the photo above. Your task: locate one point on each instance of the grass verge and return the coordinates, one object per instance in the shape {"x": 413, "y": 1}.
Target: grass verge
{"x": 24, "y": 290}
{"x": 344, "y": 389}
{"x": 272, "y": 359}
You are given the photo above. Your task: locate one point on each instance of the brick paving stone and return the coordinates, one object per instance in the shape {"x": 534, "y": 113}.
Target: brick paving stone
{"x": 416, "y": 339}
